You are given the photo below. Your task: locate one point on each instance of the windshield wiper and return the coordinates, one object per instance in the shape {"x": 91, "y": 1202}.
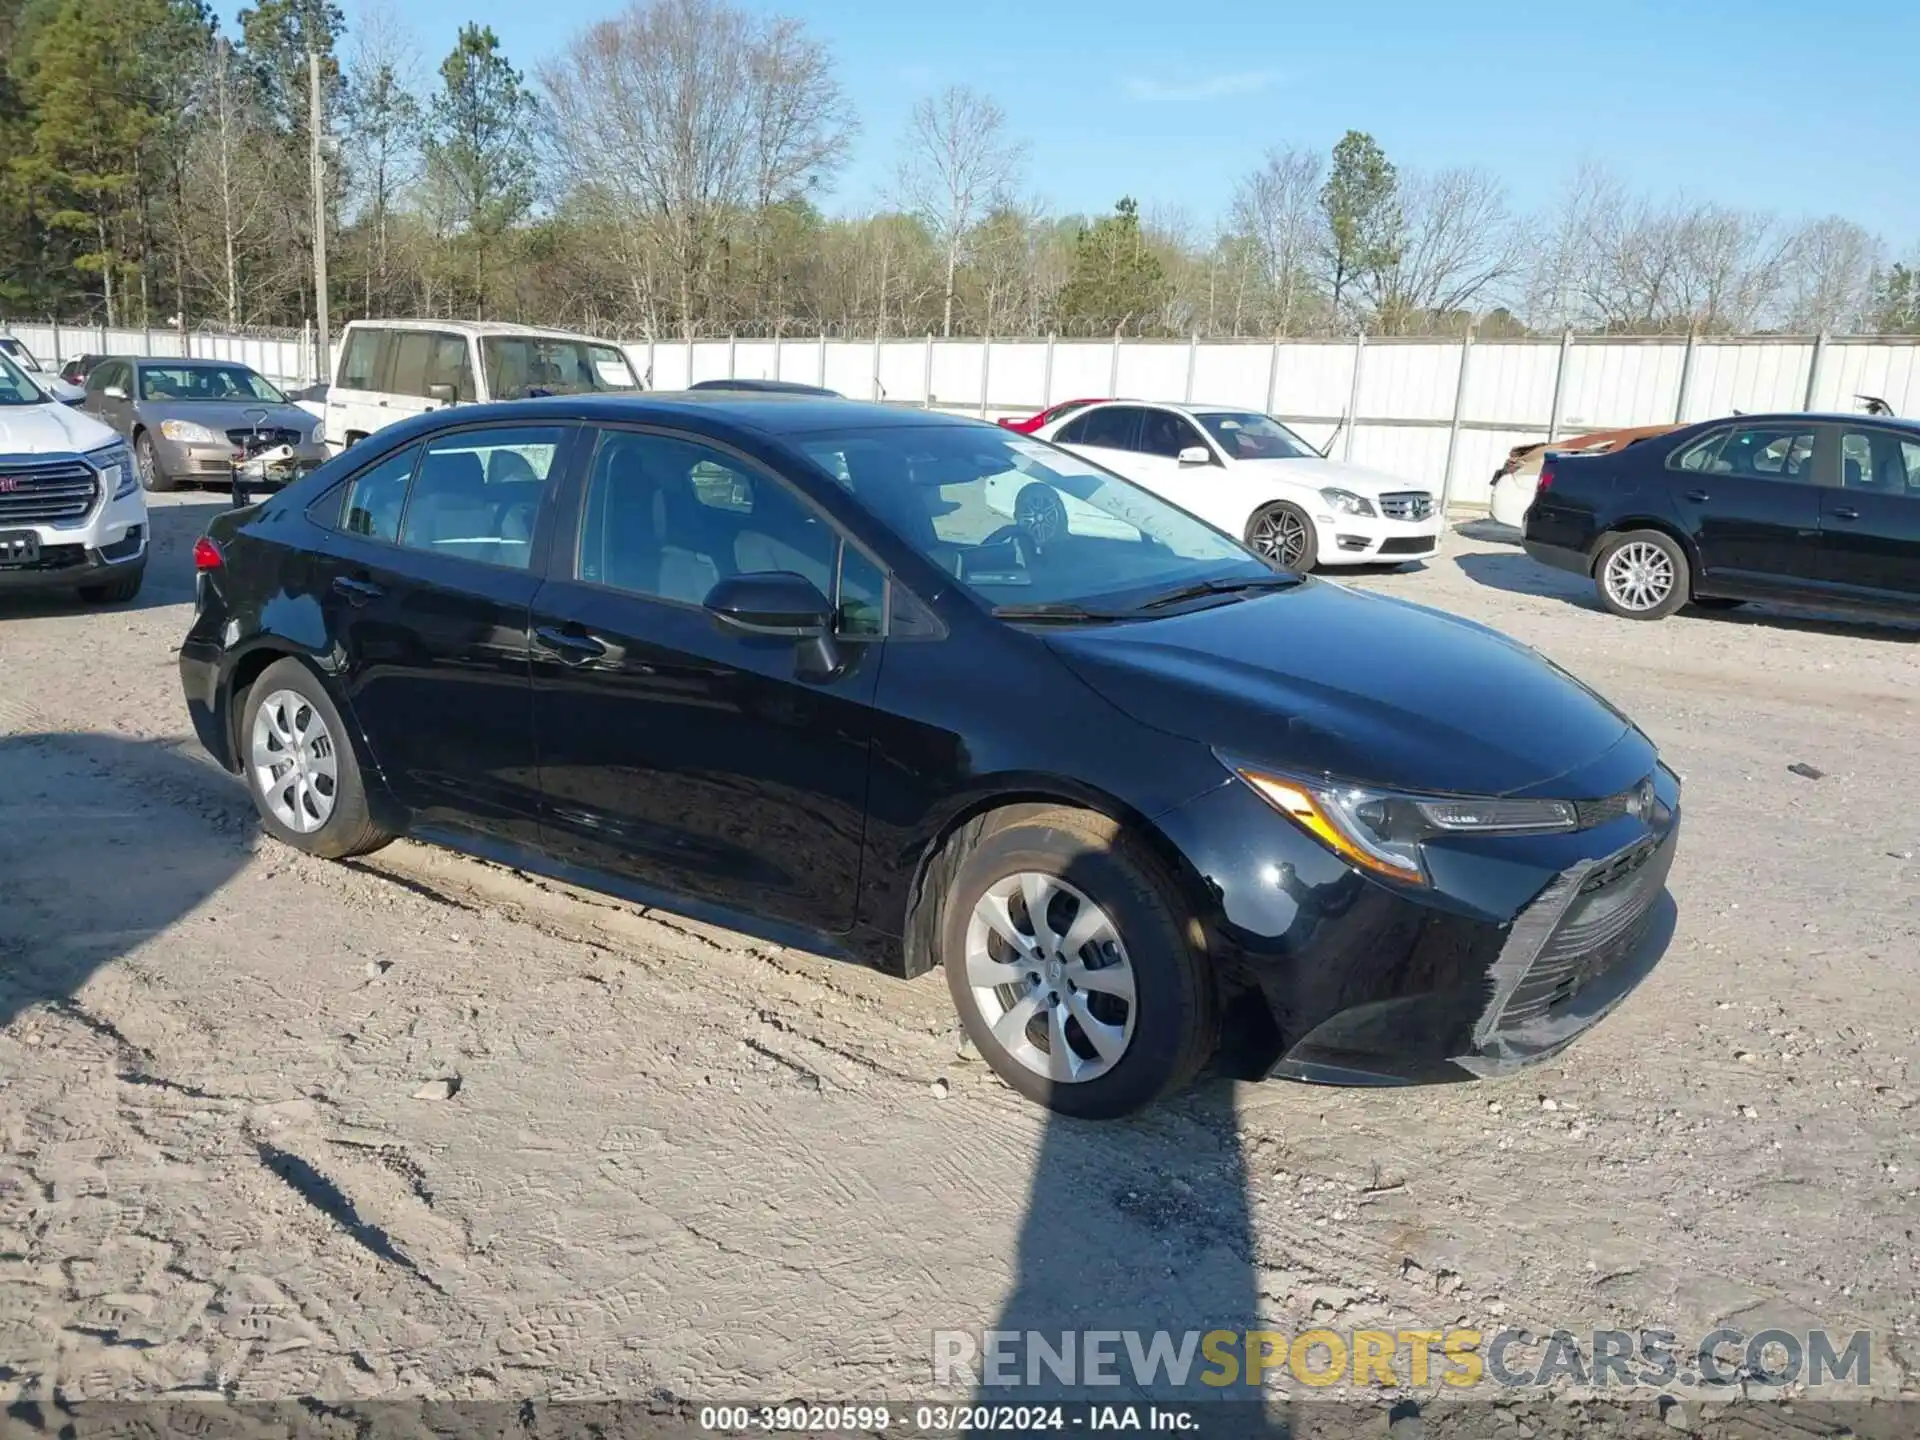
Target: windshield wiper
{"x": 1204, "y": 588}
{"x": 1059, "y": 613}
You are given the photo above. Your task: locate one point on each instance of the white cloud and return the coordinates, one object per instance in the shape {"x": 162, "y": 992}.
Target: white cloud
{"x": 1211, "y": 87}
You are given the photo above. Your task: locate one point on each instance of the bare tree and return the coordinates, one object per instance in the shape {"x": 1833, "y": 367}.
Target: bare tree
{"x": 381, "y": 137}
{"x": 1831, "y": 265}
{"x": 1452, "y": 245}
{"x": 1277, "y": 209}
{"x": 675, "y": 117}
{"x": 226, "y": 212}
{"x": 958, "y": 165}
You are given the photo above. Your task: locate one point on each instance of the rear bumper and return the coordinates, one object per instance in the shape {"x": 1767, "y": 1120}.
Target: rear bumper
{"x": 201, "y": 672}
{"x": 1561, "y": 557}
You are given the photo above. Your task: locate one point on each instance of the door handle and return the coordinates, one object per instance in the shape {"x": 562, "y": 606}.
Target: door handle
{"x": 1844, "y": 512}
{"x": 358, "y": 591}
{"x": 1698, "y": 496}
{"x": 570, "y": 646}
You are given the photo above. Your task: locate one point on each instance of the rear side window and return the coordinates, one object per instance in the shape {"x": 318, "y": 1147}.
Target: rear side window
{"x": 411, "y": 352}
{"x": 1113, "y": 427}
{"x": 478, "y": 492}
{"x": 447, "y": 365}
{"x": 1753, "y": 452}
{"x": 377, "y": 496}
{"x": 360, "y": 364}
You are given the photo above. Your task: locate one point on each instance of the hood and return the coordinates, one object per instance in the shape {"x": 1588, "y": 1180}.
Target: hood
{"x": 1322, "y": 680}
{"x": 223, "y": 415}
{"x": 50, "y": 430}
{"x": 1318, "y": 473}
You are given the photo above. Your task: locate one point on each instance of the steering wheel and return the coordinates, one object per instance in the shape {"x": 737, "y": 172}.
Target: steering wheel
{"x": 1040, "y": 514}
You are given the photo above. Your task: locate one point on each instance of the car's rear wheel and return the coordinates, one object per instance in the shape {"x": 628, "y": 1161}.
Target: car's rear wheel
{"x": 147, "y": 461}
{"x": 1285, "y": 535}
{"x": 1073, "y": 963}
{"x": 1643, "y": 575}
{"x": 117, "y": 591}
{"x": 301, "y": 768}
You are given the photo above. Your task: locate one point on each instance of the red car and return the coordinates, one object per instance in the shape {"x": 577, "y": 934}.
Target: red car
{"x": 1045, "y": 417}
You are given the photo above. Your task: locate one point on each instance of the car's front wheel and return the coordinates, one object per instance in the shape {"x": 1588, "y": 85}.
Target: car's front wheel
{"x": 1643, "y": 575}
{"x": 1073, "y": 963}
{"x": 147, "y": 461}
{"x": 117, "y": 591}
{"x": 1284, "y": 534}
{"x": 301, "y": 768}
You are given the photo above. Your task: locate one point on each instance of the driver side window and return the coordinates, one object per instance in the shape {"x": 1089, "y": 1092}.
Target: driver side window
{"x": 1166, "y": 434}
{"x": 1113, "y": 427}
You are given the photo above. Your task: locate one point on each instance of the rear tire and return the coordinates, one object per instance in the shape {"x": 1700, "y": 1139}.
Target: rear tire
{"x": 147, "y": 461}
{"x": 1643, "y": 575}
{"x": 115, "y": 592}
{"x": 1112, "y": 971}
{"x": 1283, "y": 535}
{"x": 301, "y": 768}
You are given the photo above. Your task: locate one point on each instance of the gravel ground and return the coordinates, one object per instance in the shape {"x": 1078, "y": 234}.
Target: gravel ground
{"x": 420, "y": 1126}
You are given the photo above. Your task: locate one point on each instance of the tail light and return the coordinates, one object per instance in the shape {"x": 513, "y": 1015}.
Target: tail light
{"x": 1546, "y": 477}
{"x": 206, "y": 555}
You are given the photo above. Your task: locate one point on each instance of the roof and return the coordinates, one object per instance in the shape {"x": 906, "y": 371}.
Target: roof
{"x": 478, "y": 327}
{"x": 184, "y": 362}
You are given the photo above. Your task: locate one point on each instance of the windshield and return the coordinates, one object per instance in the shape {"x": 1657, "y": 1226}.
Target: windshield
{"x": 19, "y": 354}
{"x": 518, "y": 365}
{"x": 1246, "y": 435}
{"x": 15, "y": 387}
{"x": 205, "y": 382}
{"x": 1021, "y": 523}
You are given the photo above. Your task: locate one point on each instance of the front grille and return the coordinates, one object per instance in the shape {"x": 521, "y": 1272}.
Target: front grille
{"x": 1406, "y": 545}
{"x": 46, "y": 492}
{"x": 1599, "y": 927}
{"x": 1407, "y": 505}
{"x": 253, "y": 442}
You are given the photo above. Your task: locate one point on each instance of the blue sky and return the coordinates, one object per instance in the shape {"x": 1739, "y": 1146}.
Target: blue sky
{"x": 1768, "y": 104}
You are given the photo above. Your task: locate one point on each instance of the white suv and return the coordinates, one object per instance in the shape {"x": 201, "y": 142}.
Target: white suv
{"x": 390, "y": 370}
{"x": 73, "y": 518}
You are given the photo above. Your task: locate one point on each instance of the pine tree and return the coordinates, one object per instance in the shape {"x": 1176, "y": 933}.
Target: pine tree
{"x": 1117, "y": 280}
{"x": 479, "y": 148}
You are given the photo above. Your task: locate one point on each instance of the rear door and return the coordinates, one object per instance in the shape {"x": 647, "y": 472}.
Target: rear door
{"x": 1870, "y": 521}
{"x": 1108, "y": 435}
{"x": 429, "y": 570}
{"x": 356, "y": 406}
{"x": 682, "y": 755}
{"x": 1749, "y": 496}
{"x": 116, "y": 411}
{"x": 429, "y": 369}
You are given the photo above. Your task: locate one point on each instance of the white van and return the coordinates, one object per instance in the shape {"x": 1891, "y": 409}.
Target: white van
{"x": 392, "y": 369}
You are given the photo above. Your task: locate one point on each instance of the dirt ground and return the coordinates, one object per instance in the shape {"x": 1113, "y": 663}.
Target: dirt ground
{"x": 420, "y": 1126}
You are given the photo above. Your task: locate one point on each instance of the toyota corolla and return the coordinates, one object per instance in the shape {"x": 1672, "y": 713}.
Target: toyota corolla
{"x": 776, "y": 661}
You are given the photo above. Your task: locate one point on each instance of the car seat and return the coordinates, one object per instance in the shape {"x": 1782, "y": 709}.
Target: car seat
{"x": 451, "y": 510}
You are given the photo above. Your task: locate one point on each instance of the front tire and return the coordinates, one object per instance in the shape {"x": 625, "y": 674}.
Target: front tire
{"x": 116, "y": 591}
{"x": 1643, "y": 575}
{"x": 300, "y": 766}
{"x": 1076, "y": 969}
{"x": 1283, "y": 534}
{"x": 147, "y": 461}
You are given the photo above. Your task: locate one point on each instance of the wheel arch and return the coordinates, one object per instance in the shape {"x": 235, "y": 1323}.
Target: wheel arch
{"x": 1644, "y": 522}
{"x": 919, "y": 924}
{"x": 246, "y": 668}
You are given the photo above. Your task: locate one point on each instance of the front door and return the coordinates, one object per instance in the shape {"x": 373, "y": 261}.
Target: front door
{"x": 713, "y": 765}
{"x": 1750, "y": 498}
{"x": 114, "y": 410}
{"x": 1870, "y": 522}
{"x": 429, "y": 572}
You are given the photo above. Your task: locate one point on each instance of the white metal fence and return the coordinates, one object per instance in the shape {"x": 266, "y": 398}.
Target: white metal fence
{"x": 1436, "y": 412}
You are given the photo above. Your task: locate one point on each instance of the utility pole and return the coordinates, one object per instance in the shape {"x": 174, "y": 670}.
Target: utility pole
{"x": 323, "y": 365}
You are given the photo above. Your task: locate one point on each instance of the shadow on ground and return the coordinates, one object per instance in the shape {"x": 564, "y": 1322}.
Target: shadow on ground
{"x": 105, "y": 843}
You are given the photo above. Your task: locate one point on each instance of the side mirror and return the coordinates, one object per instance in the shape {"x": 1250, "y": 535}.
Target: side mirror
{"x": 115, "y": 392}
{"x": 445, "y": 394}
{"x": 1196, "y": 455}
{"x": 771, "y": 602}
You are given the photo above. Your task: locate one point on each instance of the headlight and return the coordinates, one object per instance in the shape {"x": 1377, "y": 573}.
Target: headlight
{"x": 1347, "y": 502}
{"x": 1381, "y": 830}
{"x": 117, "y": 475}
{"x": 188, "y": 433}
{"x": 319, "y": 436}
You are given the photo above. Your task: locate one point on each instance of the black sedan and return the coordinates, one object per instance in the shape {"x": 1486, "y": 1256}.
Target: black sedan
{"x": 783, "y": 663}
{"x": 1819, "y": 509}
